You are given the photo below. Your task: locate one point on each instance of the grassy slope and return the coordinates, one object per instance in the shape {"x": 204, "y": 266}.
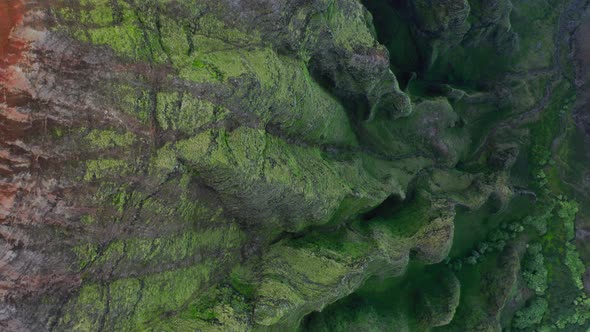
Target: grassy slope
{"x": 391, "y": 302}
{"x": 311, "y": 171}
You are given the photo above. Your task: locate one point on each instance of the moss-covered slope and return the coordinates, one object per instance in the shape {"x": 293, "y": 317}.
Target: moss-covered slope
{"x": 180, "y": 165}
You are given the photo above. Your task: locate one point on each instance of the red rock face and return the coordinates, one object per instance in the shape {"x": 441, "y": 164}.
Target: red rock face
{"x": 11, "y": 50}
{"x": 11, "y": 13}
{"x": 28, "y": 198}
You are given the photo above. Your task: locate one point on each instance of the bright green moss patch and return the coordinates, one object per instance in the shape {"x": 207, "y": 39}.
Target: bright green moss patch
{"x": 299, "y": 279}
{"x": 58, "y": 132}
{"x": 139, "y": 300}
{"x": 215, "y": 53}
{"x": 87, "y": 220}
{"x": 125, "y": 39}
{"x": 183, "y": 112}
{"x": 86, "y": 254}
{"x": 257, "y": 160}
{"x": 349, "y": 31}
{"x": 87, "y": 309}
{"x": 220, "y": 306}
{"x": 102, "y": 168}
{"x": 105, "y": 139}
{"x": 196, "y": 147}
{"x": 98, "y": 12}
{"x": 166, "y": 249}
{"x": 165, "y": 161}
{"x": 161, "y": 293}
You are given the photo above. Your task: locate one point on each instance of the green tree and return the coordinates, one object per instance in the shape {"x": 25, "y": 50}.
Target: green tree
{"x": 534, "y": 270}
{"x": 567, "y": 212}
{"x": 575, "y": 264}
{"x": 530, "y": 315}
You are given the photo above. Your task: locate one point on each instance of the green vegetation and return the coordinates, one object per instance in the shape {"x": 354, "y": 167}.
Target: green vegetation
{"x": 138, "y": 299}
{"x": 579, "y": 316}
{"x": 567, "y": 212}
{"x": 539, "y": 221}
{"x": 495, "y": 242}
{"x": 575, "y": 264}
{"x": 530, "y": 315}
{"x": 102, "y": 168}
{"x": 324, "y": 166}
{"x": 534, "y": 270}
{"x": 104, "y": 139}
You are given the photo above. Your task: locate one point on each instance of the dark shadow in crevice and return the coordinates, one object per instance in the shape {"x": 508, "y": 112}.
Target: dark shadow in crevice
{"x": 393, "y": 204}
{"x": 389, "y": 206}
{"x": 356, "y": 105}
{"x": 393, "y": 27}
{"x": 404, "y": 79}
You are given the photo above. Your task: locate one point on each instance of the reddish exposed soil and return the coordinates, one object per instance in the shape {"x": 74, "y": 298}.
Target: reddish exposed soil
{"x": 11, "y": 52}
{"x": 11, "y": 13}
{"x": 11, "y": 48}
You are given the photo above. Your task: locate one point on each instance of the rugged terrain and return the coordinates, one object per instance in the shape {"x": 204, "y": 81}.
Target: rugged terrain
{"x": 337, "y": 165}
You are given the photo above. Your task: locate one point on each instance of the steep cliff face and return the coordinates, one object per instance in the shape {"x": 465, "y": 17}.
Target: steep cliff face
{"x": 237, "y": 165}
